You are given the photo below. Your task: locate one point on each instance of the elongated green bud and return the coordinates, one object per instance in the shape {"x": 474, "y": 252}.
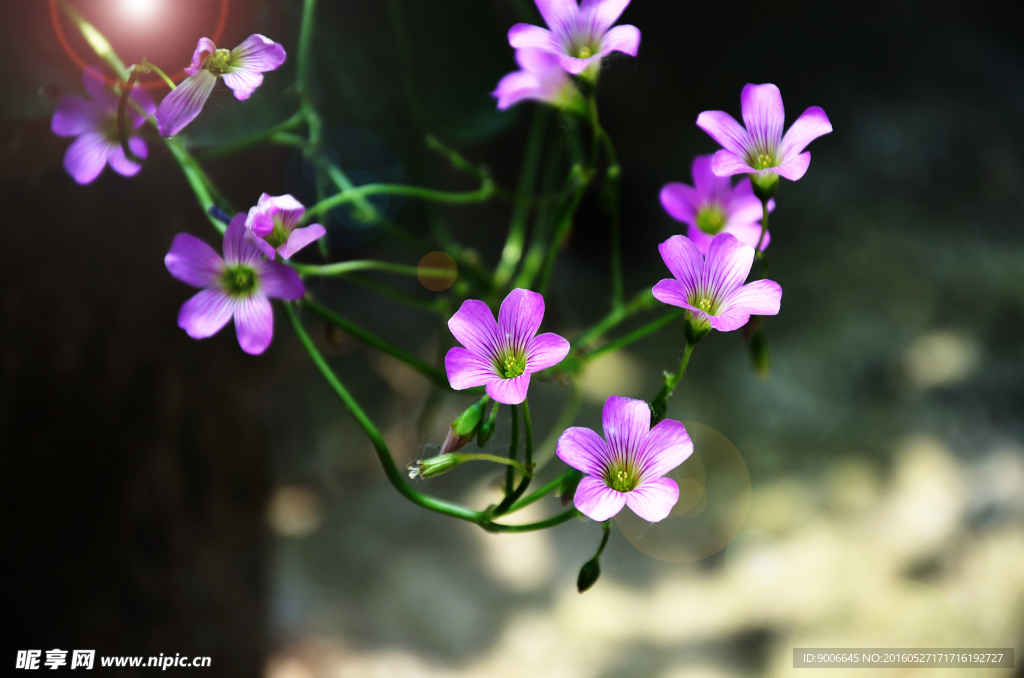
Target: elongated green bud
{"x": 589, "y": 574}
{"x": 487, "y": 427}
{"x": 464, "y": 427}
{"x": 434, "y": 466}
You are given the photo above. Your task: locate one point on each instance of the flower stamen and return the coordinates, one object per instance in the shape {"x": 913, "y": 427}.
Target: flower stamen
{"x": 219, "y": 62}
{"x": 239, "y": 281}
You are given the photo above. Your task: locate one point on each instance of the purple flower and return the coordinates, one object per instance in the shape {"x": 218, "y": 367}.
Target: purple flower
{"x": 242, "y": 69}
{"x": 502, "y": 355}
{"x": 627, "y": 468}
{"x": 237, "y": 285}
{"x": 270, "y": 225}
{"x": 760, "y": 148}
{"x": 94, "y": 121}
{"x": 712, "y": 206}
{"x": 580, "y": 35}
{"x": 711, "y": 289}
{"x": 542, "y": 79}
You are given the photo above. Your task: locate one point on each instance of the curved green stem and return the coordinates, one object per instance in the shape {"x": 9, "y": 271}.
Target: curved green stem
{"x": 643, "y": 301}
{"x": 579, "y": 178}
{"x": 565, "y": 419}
{"x": 532, "y": 527}
{"x": 544, "y": 491}
{"x": 343, "y": 267}
{"x": 432, "y": 373}
{"x": 147, "y": 66}
{"x": 607, "y": 527}
{"x": 635, "y": 335}
{"x": 659, "y": 405}
{"x": 438, "y": 305}
{"x": 197, "y": 179}
{"x": 513, "y": 250}
{"x": 479, "y": 195}
{"x": 764, "y": 229}
{"x": 122, "y": 106}
{"x": 513, "y": 453}
{"x": 394, "y": 476}
{"x": 473, "y": 456}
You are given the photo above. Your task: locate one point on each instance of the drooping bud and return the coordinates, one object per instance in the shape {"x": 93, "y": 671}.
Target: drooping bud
{"x": 589, "y": 574}
{"x": 464, "y": 427}
{"x": 487, "y": 427}
{"x": 434, "y": 466}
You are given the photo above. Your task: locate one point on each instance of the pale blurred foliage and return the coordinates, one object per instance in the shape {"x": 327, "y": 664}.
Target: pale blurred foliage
{"x": 294, "y": 511}
{"x": 825, "y": 561}
{"x": 615, "y": 373}
{"x": 941, "y": 358}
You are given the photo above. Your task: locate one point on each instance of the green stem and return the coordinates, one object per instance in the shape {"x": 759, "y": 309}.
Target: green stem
{"x": 643, "y": 301}
{"x": 254, "y": 139}
{"x": 493, "y": 458}
{"x": 531, "y": 527}
{"x": 433, "y": 374}
{"x": 611, "y": 200}
{"x": 635, "y": 335}
{"x": 305, "y": 44}
{"x": 579, "y": 178}
{"x": 163, "y": 76}
{"x": 607, "y": 527}
{"x": 764, "y": 229}
{"x": 513, "y": 495}
{"x": 513, "y": 250}
{"x": 513, "y": 452}
{"x": 540, "y": 493}
{"x": 659, "y": 405}
{"x": 96, "y": 40}
{"x": 394, "y": 475}
{"x": 122, "y": 128}
{"x": 479, "y": 195}
{"x": 197, "y": 179}
{"x": 343, "y": 267}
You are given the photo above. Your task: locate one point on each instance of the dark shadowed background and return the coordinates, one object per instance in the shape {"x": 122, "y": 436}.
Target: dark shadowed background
{"x": 167, "y": 495}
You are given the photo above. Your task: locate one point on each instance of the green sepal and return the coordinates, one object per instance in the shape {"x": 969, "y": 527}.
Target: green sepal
{"x": 487, "y": 427}
{"x": 764, "y": 187}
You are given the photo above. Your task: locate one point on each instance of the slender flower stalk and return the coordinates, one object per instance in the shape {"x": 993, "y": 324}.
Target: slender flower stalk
{"x": 93, "y": 121}
{"x": 502, "y": 355}
{"x": 712, "y": 206}
{"x": 242, "y": 69}
{"x": 711, "y": 288}
{"x": 238, "y": 286}
{"x": 579, "y": 35}
{"x": 271, "y": 226}
{"x": 626, "y": 468}
{"x": 543, "y": 79}
{"x": 760, "y": 148}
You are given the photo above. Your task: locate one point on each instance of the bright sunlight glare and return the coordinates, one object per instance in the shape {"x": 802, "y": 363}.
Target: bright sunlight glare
{"x": 140, "y": 10}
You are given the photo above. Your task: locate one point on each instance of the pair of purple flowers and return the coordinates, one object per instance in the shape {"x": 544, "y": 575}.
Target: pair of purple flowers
{"x": 93, "y": 119}
{"x": 578, "y": 37}
{"x": 240, "y": 284}
{"x": 627, "y": 467}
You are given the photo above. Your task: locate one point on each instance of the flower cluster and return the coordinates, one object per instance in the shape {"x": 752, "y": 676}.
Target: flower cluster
{"x": 727, "y": 231}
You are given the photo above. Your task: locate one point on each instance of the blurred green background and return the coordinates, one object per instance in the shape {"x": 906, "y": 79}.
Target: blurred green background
{"x": 167, "y": 495}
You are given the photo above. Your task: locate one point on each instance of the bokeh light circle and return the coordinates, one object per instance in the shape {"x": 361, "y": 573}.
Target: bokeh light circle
{"x": 714, "y": 499}
{"x": 152, "y": 81}
{"x": 437, "y": 271}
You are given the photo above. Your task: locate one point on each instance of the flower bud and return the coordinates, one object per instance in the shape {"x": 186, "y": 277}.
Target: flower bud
{"x": 464, "y": 427}
{"x": 434, "y": 466}
{"x": 589, "y": 574}
{"x": 487, "y": 427}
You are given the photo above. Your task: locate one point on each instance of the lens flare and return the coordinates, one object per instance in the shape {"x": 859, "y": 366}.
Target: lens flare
{"x": 140, "y": 10}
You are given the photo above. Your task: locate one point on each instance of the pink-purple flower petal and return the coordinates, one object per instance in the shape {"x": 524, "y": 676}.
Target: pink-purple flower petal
{"x": 519, "y": 317}
{"x": 467, "y": 369}
{"x": 533, "y": 37}
{"x": 763, "y": 115}
{"x": 726, "y": 163}
{"x": 193, "y": 262}
{"x": 624, "y": 38}
{"x": 301, "y": 237}
{"x": 182, "y": 105}
{"x": 237, "y": 248}
{"x": 86, "y": 156}
{"x": 794, "y": 167}
{"x": 509, "y": 391}
{"x": 668, "y": 445}
{"x": 669, "y": 291}
{"x": 654, "y": 499}
{"x": 724, "y": 129}
{"x": 626, "y": 424}
{"x": 279, "y": 281}
{"x": 243, "y": 82}
{"x": 122, "y": 165}
{"x": 206, "y": 313}
{"x": 727, "y": 264}
{"x": 559, "y": 15}
{"x": 811, "y": 124}
{"x": 258, "y": 53}
{"x": 74, "y": 116}
{"x": 204, "y": 48}
{"x": 680, "y": 201}
{"x": 596, "y": 500}
{"x": 254, "y": 323}
{"x": 474, "y": 327}
{"x": 684, "y": 261}
{"x": 583, "y": 449}
{"x": 545, "y": 350}
{"x": 600, "y": 15}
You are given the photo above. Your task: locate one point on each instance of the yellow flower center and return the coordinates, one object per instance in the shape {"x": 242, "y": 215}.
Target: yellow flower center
{"x": 711, "y": 220}
{"x": 219, "y": 62}
{"x": 622, "y": 479}
{"x": 705, "y": 305}
{"x": 584, "y": 52}
{"x": 763, "y": 161}
{"x": 239, "y": 281}
{"x": 512, "y": 365}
